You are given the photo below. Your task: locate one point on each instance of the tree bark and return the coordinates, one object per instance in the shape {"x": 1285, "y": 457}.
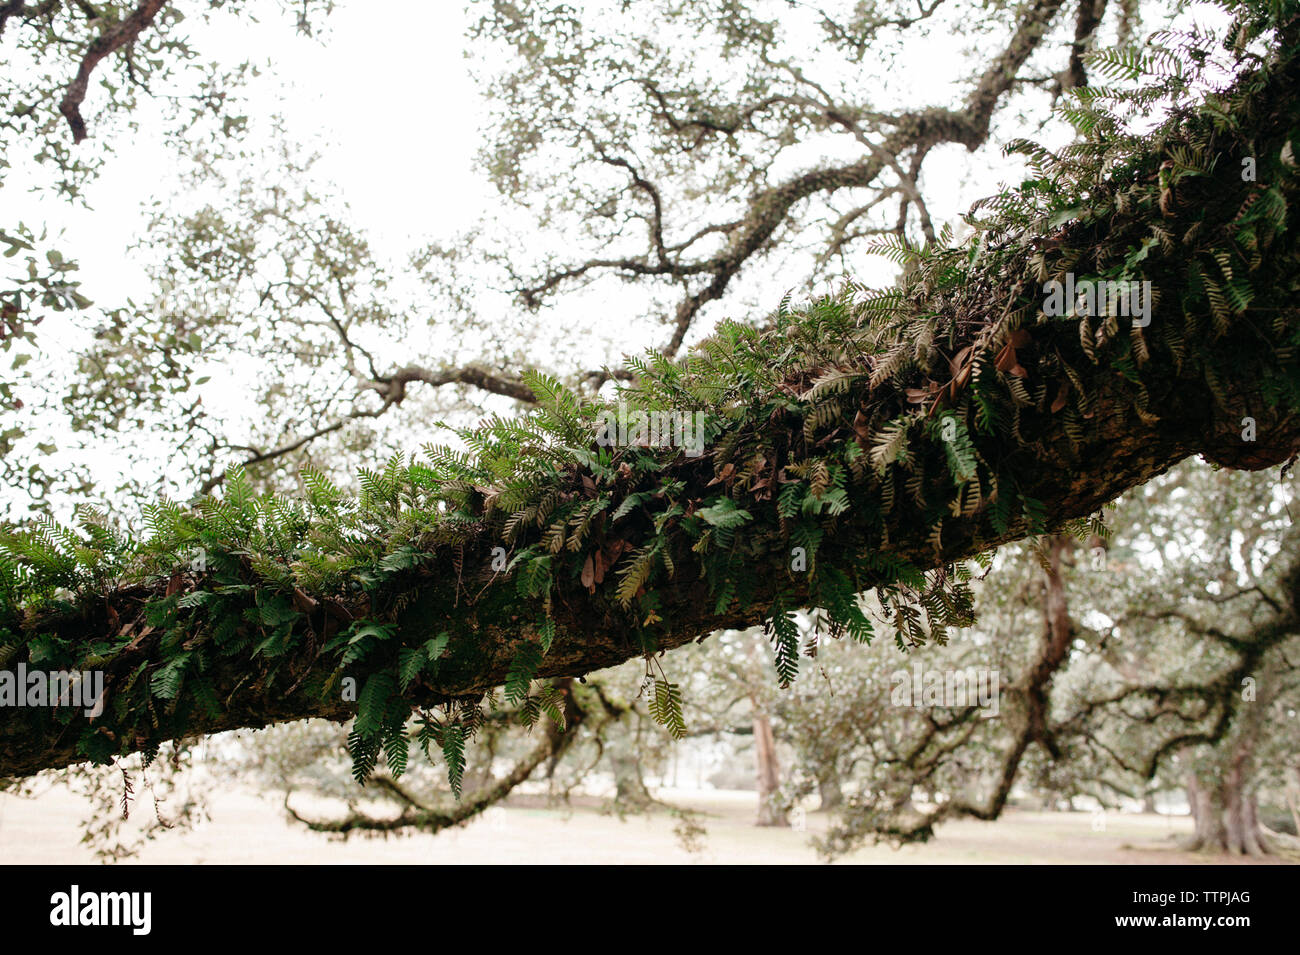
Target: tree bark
{"x": 768, "y": 771}
{"x": 1225, "y": 814}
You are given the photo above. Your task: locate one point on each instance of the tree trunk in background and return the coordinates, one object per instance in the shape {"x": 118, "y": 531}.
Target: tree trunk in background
{"x": 769, "y": 772}
{"x": 829, "y": 793}
{"x": 629, "y": 786}
{"x": 1234, "y": 813}
{"x": 1226, "y": 814}
{"x": 1293, "y": 795}
{"x": 1207, "y": 816}
{"x": 1253, "y": 837}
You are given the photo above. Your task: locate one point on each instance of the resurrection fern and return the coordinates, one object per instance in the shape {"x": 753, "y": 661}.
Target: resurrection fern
{"x": 453, "y": 751}
{"x": 522, "y": 670}
{"x": 784, "y": 632}
{"x": 666, "y": 708}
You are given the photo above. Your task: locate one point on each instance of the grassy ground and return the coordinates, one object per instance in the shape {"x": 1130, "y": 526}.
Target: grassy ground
{"x": 247, "y": 828}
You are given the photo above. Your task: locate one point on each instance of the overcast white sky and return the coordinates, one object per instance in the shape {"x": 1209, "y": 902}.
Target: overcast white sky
{"x": 393, "y": 112}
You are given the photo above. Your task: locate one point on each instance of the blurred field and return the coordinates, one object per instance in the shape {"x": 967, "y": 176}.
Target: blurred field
{"x": 248, "y": 828}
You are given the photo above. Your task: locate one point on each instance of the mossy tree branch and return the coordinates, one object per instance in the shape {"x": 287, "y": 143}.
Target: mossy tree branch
{"x": 889, "y": 437}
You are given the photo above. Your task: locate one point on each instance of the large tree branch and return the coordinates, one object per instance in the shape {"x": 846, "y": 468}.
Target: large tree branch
{"x": 1134, "y": 405}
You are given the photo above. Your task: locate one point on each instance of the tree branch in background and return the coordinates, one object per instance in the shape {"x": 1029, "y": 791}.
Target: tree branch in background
{"x": 110, "y": 41}
{"x": 914, "y": 133}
